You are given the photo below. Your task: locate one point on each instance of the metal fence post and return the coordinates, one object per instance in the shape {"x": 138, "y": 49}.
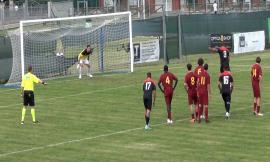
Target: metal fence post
{"x": 164, "y": 34}
{"x": 2, "y": 14}
{"x": 194, "y": 7}
{"x": 143, "y": 4}
{"x": 114, "y": 6}
{"x": 180, "y": 36}
{"x": 49, "y": 9}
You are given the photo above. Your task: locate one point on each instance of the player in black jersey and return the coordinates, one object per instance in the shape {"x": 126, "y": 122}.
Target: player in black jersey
{"x": 225, "y": 86}
{"x": 224, "y": 56}
{"x": 149, "y": 97}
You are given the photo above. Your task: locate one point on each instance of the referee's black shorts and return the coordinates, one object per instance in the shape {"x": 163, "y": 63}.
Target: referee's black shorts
{"x": 147, "y": 103}
{"x": 28, "y": 98}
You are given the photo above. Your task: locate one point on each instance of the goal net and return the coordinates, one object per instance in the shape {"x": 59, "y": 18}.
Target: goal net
{"x": 52, "y": 46}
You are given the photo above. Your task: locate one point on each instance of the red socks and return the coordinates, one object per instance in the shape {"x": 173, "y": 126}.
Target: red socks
{"x": 254, "y": 106}
{"x": 170, "y": 115}
{"x": 258, "y": 109}
{"x": 206, "y": 113}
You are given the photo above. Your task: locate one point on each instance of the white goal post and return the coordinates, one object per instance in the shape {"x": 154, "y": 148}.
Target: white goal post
{"x": 51, "y": 46}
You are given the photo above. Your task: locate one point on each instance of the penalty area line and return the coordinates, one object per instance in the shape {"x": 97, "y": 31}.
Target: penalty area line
{"x": 73, "y": 95}
{"x": 82, "y": 139}
{"x": 94, "y": 137}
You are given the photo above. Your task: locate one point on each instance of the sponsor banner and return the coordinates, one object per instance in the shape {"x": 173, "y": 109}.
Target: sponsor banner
{"x": 249, "y": 42}
{"x": 146, "y": 51}
{"x": 216, "y": 40}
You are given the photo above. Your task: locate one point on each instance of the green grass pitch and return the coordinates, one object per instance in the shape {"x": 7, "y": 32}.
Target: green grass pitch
{"x": 102, "y": 119}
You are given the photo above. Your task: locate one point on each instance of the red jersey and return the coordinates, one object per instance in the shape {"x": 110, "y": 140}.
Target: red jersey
{"x": 203, "y": 82}
{"x": 256, "y": 72}
{"x": 198, "y": 71}
{"x": 191, "y": 81}
{"x": 167, "y": 80}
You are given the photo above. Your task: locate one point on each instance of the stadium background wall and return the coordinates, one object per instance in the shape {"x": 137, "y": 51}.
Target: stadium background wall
{"x": 197, "y": 28}
{"x": 194, "y": 35}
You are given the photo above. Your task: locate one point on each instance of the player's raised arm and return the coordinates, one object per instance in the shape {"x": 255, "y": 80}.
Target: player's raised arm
{"x": 213, "y": 49}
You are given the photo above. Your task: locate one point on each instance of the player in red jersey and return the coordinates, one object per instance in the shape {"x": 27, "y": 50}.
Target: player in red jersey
{"x": 167, "y": 79}
{"x": 149, "y": 97}
{"x": 256, "y": 78}
{"x": 203, "y": 84}
{"x": 190, "y": 84}
{"x": 197, "y": 72}
{"x": 199, "y": 68}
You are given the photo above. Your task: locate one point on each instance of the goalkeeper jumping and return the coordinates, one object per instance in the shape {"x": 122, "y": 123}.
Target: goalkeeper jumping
{"x": 83, "y": 59}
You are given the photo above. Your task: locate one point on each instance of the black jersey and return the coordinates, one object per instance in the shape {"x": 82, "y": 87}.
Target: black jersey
{"x": 226, "y": 81}
{"x": 148, "y": 87}
{"x": 224, "y": 56}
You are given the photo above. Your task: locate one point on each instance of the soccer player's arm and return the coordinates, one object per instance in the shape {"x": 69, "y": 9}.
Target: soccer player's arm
{"x": 213, "y": 49}
{"x": 260, "y": 77}
{"x": 219, "y": 84}
{"x": 37, "y": 80}
{"x": 143, "y": 88}
{"x": 251, "y": 74}
{"x": 231, "y": 78}
{"x": 185, "y": 84}
{"x": 176, "y": 81}
{"x": 159, "y": 84}
{"x": 154, "y": 94}
{"x": 208, "y": 85}
{"x": 79, "y": 57}
{"x": 260, "y": 74}
{"x": 22, "y": 87}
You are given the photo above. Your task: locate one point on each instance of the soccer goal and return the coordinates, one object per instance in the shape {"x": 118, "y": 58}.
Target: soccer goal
{"x": 52, "y": 46}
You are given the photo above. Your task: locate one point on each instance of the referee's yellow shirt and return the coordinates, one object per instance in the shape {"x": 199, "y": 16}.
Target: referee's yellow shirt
{"x": 28, "y": 81}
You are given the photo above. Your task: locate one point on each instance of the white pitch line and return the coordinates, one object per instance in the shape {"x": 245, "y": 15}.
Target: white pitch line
{"x": 94, "y": 137}
{"x": 74, "y": 78}
{"x": 82, "y": 139}
{"x": 72, "y": 95}
{"x": 263, "y": 67}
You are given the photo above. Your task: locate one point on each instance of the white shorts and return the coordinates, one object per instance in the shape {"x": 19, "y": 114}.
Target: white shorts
{"x": 85, "y": 62}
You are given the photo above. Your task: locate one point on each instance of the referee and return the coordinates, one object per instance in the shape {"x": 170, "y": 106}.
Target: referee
{"x": 27, "y": 93}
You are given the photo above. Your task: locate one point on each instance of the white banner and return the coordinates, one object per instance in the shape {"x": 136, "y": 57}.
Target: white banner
{"x": 146, "y": 51}
{"x": 249, "y": 42}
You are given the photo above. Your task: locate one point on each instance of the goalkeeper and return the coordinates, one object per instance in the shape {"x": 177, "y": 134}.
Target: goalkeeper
{"x": 83, "y": 59}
